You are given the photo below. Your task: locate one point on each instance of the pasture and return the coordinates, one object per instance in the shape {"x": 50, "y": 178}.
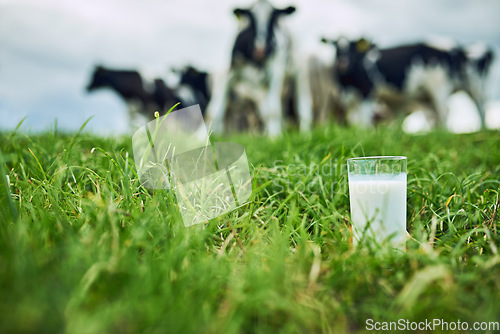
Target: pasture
{"x": 85, "y": 249}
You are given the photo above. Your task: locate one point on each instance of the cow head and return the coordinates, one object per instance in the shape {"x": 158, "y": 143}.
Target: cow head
{"x": 193, "y": 77}
{"x": 480, "y": 58}
{"x": 257, "y": 41}
{"x": 351, "y": 54}
{"x": 98, "y": 78}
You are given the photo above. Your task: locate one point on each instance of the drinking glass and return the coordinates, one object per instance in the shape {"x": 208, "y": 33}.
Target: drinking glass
{"x": 377, "y": 193}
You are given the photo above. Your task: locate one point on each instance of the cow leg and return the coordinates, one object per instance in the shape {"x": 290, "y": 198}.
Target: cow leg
{"x": 360, "y": 111}
{"x": 217, "y": 106}
{"x": 136, "y": 111}
{"x": 319, "y": 86}
{"x": 479, "y": 101}
{"x": 477, "y": 91}
{"x": 304, "y": 100}
{"x": 270, "y": 109}
{"x": 482, "y": 113}
{"x": 367, "y": 112}
{"x": 435, "y": 83}
{"x": 439, "y": 96}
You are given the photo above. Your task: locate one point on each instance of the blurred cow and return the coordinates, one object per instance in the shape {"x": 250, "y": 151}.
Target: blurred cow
{"x": 194, "y": 84}
{"x": 419, "y": 72}
{"x": 127, "y": 83}
{"x": 144, "y": 98}
{"x": 258, "y": 91}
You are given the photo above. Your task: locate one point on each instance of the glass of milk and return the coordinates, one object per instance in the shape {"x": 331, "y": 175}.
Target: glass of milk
{"x": 377, "y": 192}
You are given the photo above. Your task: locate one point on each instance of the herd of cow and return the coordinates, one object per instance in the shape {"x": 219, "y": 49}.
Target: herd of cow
{"x": 269, "y": 87}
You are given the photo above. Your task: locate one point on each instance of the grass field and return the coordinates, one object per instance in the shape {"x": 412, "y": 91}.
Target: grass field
{"x": 85, "y": 249}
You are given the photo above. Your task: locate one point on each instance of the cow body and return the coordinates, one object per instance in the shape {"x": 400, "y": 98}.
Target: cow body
{"x": 262, "y": 74}
{"x": 416, "y": 72}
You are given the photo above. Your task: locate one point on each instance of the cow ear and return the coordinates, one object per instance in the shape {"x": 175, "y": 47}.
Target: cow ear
{"x": 240, "y": 12}
{"x": 191, "y": 71}
{"x": 328, "y": 41}
{"x": 363, "y": 45}
{"x": 288, "y": 10}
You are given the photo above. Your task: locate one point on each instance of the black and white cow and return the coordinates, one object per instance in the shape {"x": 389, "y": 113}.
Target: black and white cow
{"x": 263, "y": 73}
{"x": 126, "y": 83}
{"x": 197, "y": 83}
{"x": 418, "y": 71}
{"x": 144, "y": 98}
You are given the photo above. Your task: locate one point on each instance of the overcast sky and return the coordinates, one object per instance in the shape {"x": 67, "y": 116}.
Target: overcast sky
{"x": 48, "y": 48}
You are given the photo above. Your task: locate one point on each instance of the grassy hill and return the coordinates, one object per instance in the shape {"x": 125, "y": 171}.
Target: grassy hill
{"x": 85, "y": 249}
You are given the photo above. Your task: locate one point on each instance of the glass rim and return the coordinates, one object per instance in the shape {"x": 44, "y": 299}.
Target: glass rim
{"x": 382, "y": 157}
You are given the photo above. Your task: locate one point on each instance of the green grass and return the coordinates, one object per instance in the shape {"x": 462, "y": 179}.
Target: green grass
{"x": 85, "y": 249}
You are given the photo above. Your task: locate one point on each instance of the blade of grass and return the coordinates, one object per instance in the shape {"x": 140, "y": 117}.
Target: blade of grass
{"x": 6, "y": 199}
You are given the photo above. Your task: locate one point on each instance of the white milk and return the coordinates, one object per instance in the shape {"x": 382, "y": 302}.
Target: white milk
{"x": 381, "y": 201}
